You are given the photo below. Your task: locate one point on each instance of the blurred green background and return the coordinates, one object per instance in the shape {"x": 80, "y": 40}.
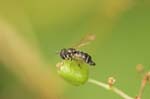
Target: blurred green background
{"x": 122, "y": 29}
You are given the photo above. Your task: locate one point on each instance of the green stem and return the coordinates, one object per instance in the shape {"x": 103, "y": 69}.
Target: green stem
{"x": 107, "y": 87}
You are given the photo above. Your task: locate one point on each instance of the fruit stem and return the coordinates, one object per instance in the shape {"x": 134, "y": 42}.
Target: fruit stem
{"x": 107, "y": 87}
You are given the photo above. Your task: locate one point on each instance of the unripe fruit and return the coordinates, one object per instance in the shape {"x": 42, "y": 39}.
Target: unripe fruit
{"x": 74, "y": 72}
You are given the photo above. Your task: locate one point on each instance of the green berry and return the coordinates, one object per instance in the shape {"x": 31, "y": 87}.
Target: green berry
{"x": 74, "y": 72}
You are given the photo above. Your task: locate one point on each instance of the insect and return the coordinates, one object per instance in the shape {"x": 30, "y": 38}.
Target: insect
{"x": 74, "y": 54}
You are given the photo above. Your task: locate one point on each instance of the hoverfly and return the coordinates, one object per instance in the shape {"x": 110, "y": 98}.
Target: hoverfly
{"x": 74, "y": 54}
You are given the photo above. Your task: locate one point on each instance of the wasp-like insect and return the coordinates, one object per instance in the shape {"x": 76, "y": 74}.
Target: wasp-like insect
{"x": 74, "y": 54}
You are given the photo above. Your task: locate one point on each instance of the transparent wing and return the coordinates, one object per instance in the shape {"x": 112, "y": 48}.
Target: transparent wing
{"x": 85, "y": 40}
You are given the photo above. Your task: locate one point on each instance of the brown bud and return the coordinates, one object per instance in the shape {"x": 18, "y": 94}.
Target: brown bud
{"x": 139, "y": 68}
{"x": 111, "y": 81}
{"x": 137, "y": 97}
{"x": 148, "y": 76}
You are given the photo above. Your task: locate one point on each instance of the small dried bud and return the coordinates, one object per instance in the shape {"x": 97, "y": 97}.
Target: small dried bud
{"x": 148, "y": 76}
{"x": 111, "y": 81}
{"x": 137, "y": 97}
{"x": 139, "y": 68}
{"x": 58, "y": 65}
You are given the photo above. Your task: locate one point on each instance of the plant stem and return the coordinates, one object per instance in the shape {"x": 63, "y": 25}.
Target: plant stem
{"x": 143, "y": 84}
{"x": 107, "y": 87}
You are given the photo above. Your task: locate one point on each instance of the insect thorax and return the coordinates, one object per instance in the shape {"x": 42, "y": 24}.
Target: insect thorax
{"x": 77, "y": 55}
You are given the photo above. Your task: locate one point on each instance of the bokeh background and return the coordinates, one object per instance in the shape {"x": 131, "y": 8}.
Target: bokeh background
{"x": 32, "y": 31}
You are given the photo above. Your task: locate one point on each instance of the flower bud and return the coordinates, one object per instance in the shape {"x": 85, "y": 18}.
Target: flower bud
{"x": 139, "y": 68}
{"x": 111, "y": 81}
{"x": 148, "y": 76}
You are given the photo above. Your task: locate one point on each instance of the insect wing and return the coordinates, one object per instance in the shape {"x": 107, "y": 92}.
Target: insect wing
{"x": 85, "y": 40}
